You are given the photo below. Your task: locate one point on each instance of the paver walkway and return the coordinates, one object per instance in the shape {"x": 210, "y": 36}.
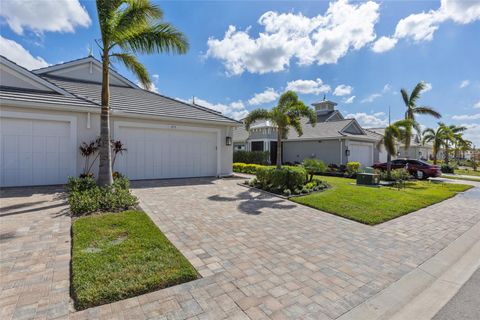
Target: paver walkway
{"x": 263, "y": 257}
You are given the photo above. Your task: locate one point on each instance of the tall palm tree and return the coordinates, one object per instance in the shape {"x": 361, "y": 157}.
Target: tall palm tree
{"x": 413, "y": 109}
{"x": 393, "y": 132}
{"x": 436, "y": 137}
{"x": 129, "y": 27}
{"x": 449, "y": 136}
{"x": 286, "y": 114}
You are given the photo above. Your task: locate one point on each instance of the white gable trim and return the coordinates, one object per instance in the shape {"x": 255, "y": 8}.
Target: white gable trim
{"x": 30, "y": 77}
{"x": 353, "y": 123}
{"x": 81, "y": 62}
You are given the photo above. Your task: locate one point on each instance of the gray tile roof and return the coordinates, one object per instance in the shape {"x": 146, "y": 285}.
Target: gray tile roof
{"x": 139, "y": 101}
{"x": 8, "y": 94}
{"x": 329, "y": 129}
{"x": 240, "y": 134}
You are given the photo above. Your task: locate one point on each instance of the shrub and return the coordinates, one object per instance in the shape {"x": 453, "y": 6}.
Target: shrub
{"x": 251, "y": 157}
{"x": 396, "y": 175}
{"x": 353, "y": 168}
{"x": 86, "y": 197}
{"x": 246, "y": 168}
{"x": 276, "y": 180}
{"x": 447, "y": 169}
{"x": 313, "y": 166}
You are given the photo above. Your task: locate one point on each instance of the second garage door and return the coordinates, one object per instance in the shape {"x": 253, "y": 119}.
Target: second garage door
{"x": 362, "y": 153}
{"x": 161, "y": 153}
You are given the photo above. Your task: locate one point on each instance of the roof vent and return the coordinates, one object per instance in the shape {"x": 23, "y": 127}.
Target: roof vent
{"x": 324, "y": 105}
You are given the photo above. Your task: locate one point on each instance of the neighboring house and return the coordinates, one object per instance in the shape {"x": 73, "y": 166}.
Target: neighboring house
{"x": 417, "y": 149}
{"x": 46, "y": 114}
{"x": 333, "y": 139}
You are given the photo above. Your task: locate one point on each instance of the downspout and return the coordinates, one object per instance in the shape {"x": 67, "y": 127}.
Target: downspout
{"x": 341, "y": 152}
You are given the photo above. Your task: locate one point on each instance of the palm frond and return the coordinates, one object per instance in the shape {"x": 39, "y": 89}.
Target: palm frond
{"x": 138, "y": 12}
{"x": 255, "y": 115}
{"x": 405, "y": 97}
{"x": 132, "y": 63}
{"x": 416, "y": 92}
{"x": 425, "y": 110}
{"x": 297, "y": 125}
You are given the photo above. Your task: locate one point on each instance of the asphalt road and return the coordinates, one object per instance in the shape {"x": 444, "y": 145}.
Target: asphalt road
{"x": 465, "y": 305}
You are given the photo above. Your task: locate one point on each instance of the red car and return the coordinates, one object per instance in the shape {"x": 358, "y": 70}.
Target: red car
{"x": 417, "y": 168}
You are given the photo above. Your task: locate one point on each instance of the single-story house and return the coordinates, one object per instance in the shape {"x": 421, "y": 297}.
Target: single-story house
{"x": 47, "y": 113}
{"x": 334, "y": 139}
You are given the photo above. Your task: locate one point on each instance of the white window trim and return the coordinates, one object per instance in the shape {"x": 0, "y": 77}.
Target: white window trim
{"x": 118, "y": 124}
{"x": 48, "y": 117}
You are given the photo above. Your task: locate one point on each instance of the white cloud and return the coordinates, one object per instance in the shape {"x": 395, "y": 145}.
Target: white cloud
{"x": 370, "y": 120}
{"x": 266, "y": 96}
{"x": 153, "y": 87}
{"x": 422, "y": 26}
{"x": 349, "y": 100}
{"x": 155, "y": 77}
{"x": 342, "y": 90}
{"x": 44, "y": 15}
{"x": 387, "y": 88}
{"x": 472, "y": 133}
{"x": 428, "y": 87}
{"x": 235, "y": 110}
{"x": 21, "y": 56}
{"x": 308, "y": 86}
{"x": 477, "y": 105}
{"x": 371, "y": 98}
{"x": 320, "y": 39}
{"x": 464, "y": 83}
{"x": 466, "y": 116}
{"x": 384, "y": 44}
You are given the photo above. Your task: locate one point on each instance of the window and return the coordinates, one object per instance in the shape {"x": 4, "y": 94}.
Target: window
{"x": 257, "y": 145}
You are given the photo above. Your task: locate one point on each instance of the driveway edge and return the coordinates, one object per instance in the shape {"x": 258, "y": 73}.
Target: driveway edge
{"x": 421, "y": 293}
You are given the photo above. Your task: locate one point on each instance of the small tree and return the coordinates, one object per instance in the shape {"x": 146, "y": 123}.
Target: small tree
{"x": 88, "y": 150}
{"x": 117, "y": 148}
{"x": 286, "y": 114}
{"x": 394, "y": 132}
{"x": 313, "y": 166}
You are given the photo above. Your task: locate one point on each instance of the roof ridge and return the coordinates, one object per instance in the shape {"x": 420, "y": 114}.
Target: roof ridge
{"x": 65, "y": 62}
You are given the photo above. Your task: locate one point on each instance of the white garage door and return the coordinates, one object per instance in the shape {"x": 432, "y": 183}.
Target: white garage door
{"x": 166, "y": 153}
{"x": 35, "y": 152}
{"x": 362, "y": 153}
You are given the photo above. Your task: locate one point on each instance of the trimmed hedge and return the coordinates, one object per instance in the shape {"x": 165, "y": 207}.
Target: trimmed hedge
{"x": 246, "y": 168}
{"x": 292, "y": 178}
{"x": 251, "y": 157}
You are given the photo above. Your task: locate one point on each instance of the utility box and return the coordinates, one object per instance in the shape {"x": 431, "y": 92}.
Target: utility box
{"x": 368, "y": 179}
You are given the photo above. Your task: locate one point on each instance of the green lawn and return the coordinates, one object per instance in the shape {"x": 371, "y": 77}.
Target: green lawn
{"x": 121, "y": 255}
{"x": 467, "y": 172}
{"x": 372, "y": 205}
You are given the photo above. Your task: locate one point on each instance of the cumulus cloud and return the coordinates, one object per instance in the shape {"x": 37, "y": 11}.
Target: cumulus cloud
{"x": 384, "y": 44}
{"x": 464, "y": 83}
{"x": 308, "y": 86}
{"x": 472, "y": 133}
{"x": 349, "y": 100}
{"x": 321, "y": 39}
{"x": 266, "y": 96}
{"x": 428, "y": 87}
{"x": 422, "y": 26}
{"x": 466, "y": 116}
{"x": 477, "y": 105}
{"x": 44, "y": 15}
{"x": 342, "y": 90}
{"x": 371, "y": 98}
{"x": 235, "y": 110}
{"x": 21, "y": 56}
{"x": 377, "y": 119}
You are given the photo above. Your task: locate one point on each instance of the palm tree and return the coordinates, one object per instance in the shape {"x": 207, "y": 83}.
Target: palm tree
{"x": 393, "y": 132}
{"x": 449, "y": 135}
{"x": 286, "y": 114}
{"x": 436, "y": 137}
{"x": 129, "y": 27}
{"x": 412, "y": 110}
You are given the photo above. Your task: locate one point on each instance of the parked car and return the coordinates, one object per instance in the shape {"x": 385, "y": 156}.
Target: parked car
{"x": 417, "y": 168}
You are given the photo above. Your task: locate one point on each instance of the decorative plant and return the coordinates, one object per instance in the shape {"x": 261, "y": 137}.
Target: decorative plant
{"x": 117, "y": 148}
{"x": 88, "y": 150}
{"x": 313, "y": 166}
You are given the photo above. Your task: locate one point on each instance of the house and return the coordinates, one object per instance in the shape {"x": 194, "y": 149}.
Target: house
{"x": 334, "y": 139}
{"x": 46, "y": 114}
{"x": 417, "y": 149}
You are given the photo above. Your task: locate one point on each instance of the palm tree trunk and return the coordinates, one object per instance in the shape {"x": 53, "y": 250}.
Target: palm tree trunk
{"x": 389, "y": 165}
{"x": 279, "y": 148}
{"x": 105, "y": 167}
{"x": 446, "y": 153}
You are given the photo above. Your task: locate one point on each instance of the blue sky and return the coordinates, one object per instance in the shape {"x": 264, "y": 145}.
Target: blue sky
{"x": 244, "y": 54}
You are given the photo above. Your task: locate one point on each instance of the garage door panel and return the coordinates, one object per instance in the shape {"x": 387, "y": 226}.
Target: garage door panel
{"x": 36, "y": 152}
{"x": 166, "y": 153}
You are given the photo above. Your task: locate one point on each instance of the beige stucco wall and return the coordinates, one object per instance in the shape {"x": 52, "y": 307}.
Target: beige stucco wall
{"x": 85, "y": 134}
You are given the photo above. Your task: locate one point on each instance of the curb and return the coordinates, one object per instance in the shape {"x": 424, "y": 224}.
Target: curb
{"x": 422, "y": 292}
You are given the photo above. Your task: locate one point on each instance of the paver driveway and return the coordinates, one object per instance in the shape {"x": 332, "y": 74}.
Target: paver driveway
{"x": 264, "y": 257}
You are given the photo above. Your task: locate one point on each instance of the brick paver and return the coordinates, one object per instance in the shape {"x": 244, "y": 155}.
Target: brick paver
{"x": 262, "y": 257}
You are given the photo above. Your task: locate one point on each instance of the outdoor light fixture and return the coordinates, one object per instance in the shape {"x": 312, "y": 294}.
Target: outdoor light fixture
{"x": 228, "y": 141}
{"x": 398, "y": 154}
{"x": 347, "y": 153}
